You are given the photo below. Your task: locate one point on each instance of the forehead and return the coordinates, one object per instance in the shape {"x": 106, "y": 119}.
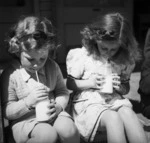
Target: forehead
{"x": 36, "y": 53}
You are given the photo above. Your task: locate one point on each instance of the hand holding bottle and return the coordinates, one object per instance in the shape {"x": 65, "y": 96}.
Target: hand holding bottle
{"x": 116, "y": 81}
{"x": 96, "y": 81}
{"x": 38, "y": 93}
{"x": 54, "y": 110}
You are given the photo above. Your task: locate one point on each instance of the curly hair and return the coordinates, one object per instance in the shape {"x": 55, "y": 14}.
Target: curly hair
{"x": 111, "y": 27}
{"x": 39, "y": 28}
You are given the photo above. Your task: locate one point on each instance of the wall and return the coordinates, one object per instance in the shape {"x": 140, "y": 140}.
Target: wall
{"x": 72, "y": 15}
{"x": 10, "y": 12}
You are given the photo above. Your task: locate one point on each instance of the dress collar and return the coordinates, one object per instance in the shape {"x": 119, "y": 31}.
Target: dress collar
{"x": 26, "y": 76}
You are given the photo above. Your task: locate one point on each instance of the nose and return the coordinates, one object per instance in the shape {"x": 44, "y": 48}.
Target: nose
{"x": 35, "y": 65}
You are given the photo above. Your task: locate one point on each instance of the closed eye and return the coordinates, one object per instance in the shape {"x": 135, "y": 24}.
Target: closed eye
{"x": 42, "y": 59}
{"x": 31, "y": 60}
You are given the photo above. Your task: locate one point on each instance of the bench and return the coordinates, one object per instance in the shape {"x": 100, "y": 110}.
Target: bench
{"x": 101, "y": 136}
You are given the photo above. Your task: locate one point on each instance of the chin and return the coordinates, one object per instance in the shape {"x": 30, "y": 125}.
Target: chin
{"x": 31, "y": 70}
{"x": 106, "y": 57}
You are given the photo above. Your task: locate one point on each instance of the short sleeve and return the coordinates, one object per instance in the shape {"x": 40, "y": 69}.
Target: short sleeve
{"x": 75, "y": 62}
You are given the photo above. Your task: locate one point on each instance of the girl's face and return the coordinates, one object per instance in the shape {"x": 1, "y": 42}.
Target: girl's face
{"x": 34, "y": 59}
{"x": 108, "y": 49}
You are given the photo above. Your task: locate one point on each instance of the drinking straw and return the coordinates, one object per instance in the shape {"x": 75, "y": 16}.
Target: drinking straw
{"x": 37, "y": 76}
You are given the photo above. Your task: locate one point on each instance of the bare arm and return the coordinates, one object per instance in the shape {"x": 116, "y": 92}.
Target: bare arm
{"x": 95, "y": 82}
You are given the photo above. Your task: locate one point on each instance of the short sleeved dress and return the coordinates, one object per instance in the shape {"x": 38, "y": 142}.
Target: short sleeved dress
{"x": 88, "y": 105}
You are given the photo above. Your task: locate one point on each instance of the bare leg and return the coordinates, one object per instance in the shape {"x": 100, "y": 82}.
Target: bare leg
{"x": 67, "y": 130}
{"x": 114, "y": 127}
{"x": 133, "y": 127}
{"x": 43, "y": 133}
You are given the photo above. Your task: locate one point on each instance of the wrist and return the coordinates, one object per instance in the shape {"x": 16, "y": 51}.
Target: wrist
{"x": 27, "y": 105}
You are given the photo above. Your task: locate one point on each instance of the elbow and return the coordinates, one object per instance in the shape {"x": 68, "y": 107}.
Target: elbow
{"x": 70, "y": 83}
{"x": 8, "y": 113}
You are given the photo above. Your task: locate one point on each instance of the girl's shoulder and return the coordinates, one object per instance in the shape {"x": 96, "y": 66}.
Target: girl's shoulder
{"x": 77, "y": 53}
{"x": 51, "y": 66}
{"x": 51, "y": 62}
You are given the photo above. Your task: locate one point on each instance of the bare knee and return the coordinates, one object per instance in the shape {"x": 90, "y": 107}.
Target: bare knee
{"x": 126, "y": 112}
{"x": 66, "y": 128}
{"x": 111, "y": 119}
{"x": 44, "y": 133}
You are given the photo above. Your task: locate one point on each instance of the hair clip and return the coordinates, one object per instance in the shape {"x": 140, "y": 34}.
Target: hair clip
{"x": 104, "y": 34}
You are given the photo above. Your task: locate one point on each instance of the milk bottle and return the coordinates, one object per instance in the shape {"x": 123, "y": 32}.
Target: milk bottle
{"x": 42, "y": 107}
{"x": 107, "y": 86}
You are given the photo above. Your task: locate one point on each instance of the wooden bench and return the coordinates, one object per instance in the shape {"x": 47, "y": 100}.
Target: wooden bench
{"x": 101, "y": 136}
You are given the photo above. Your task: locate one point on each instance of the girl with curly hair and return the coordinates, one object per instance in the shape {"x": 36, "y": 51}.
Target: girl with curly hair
{"x": 34, "y": 77}
{"x": 108, "y": 39}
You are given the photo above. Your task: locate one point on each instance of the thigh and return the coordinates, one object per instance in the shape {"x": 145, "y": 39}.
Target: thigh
{"x": 112, "y": 123}
{"x": 43, "y": 130}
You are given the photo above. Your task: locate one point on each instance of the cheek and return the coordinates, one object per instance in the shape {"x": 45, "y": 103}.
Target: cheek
{"x": 25, "y": 62}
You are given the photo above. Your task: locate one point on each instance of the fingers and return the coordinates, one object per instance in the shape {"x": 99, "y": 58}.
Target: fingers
{"x": 100, "y": 80}
{"x": 38, "y": 99}
{"x": 115, "y": 76}
{"x": 52, "y": 110}
{"x": 116, "y": 80}
{"x": 116, "y": 86}
{"x": 100, "y": 77}
{"x": 52, "y": 117}
{"x": 40, "y": 91}
{"x": 42, "y": 87}
{"x": 51, "y": 105}
{"x": 99, "y": 84}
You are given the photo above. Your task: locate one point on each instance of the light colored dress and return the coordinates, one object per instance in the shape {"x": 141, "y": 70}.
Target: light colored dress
{"x": 89, "y": 104}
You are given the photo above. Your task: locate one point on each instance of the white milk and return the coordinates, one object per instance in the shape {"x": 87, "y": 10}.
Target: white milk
{"x": 107, "y": 86}
{"x": 41, "y": 110}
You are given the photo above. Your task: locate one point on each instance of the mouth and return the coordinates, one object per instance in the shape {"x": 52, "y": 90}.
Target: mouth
{"x": 32, "y": 69}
